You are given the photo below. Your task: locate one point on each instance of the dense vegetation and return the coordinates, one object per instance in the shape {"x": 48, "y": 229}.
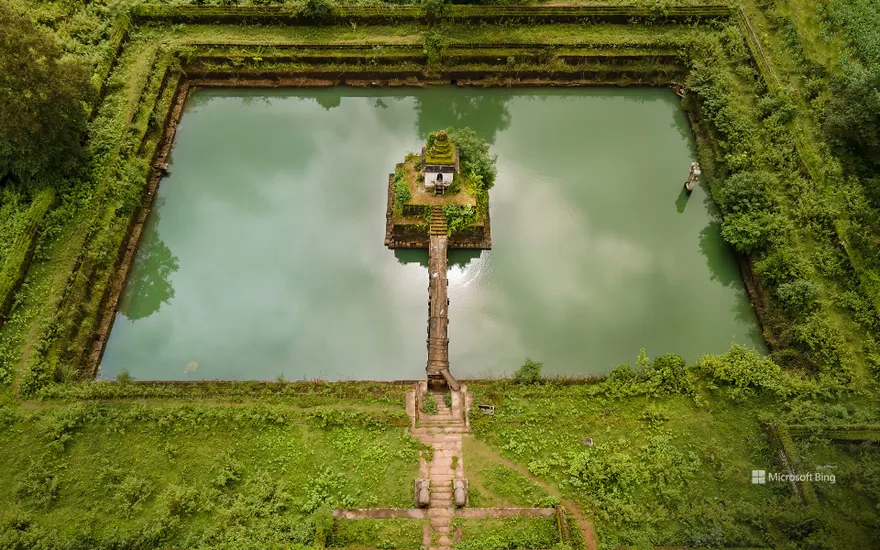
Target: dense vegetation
{"x": 143, "y": 476}
{"x": 788, "y": 135}
{"x": 672, "y": 447}
{"x": 43, "y": 120}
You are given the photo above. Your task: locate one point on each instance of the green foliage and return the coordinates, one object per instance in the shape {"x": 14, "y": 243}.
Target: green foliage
{"x": 18, "y": 229}
{"x": 742, "y": 372}
{"x": 475, "y": 157}
{"x": 508, "y": 533}
{"x": 745, "y": 191}
{"x": 435, "y": 9}
{"x": 852, "y": 124}
{"x": 324, "y": 523}
{"x": 318, "y": 10}
{"x": 402, "y": 194}
{"x": 330, "y": 417}
{"x": 799, "y": 296}
{"x": 613, "y": 476}
{"x": 747, "y": 231}
{"x": 432, "y": 45}
{"x": 429, "y": 405}
{"x": 40, "y": 484}
{"x": 384, "y": 533}
{"x": 528, "y": 373}
{"x": 459, "y": 217}
{"x": 745, "y": 198}
{"x": 43, "y": 117}
{"x": 669, "y": 372}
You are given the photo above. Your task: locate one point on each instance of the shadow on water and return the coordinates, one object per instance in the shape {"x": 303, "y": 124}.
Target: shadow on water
{"x": 719, "y": 256}
{"x": 485, "y": 114}
{"x": 148, "y": 286}
{"x": 412, "y": 256}
{"x": 723, "y": 265}
{"x": 682, "y": 200}
{"x": 462, "y": 257}
{"x": 459, "y": 258}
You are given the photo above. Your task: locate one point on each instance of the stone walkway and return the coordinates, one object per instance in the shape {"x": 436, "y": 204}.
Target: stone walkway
{"x": 442, "y": 432}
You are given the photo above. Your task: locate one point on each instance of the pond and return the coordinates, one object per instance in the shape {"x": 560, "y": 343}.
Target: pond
{"x": 263, "y": 255}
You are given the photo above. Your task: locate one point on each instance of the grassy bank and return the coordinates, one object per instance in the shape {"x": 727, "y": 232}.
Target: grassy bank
{"x": 140, "y": 475}
{"x": 671, "y": 455}
{"x": 241, "y": 465}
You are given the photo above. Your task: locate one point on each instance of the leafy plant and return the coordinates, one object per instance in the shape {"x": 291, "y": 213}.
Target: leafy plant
{"x": 429, "y": 405}
{"x": 743, "y": 371}
{"x": 44, "y": 93}
{"x": 459, "y": 217}
{"x": 401, "y": 188}
{"x": 40, "y": 485}
{"x": 318, "y": 10}
{"x": 475, "y": 157}
{"x": 528, "y": 373}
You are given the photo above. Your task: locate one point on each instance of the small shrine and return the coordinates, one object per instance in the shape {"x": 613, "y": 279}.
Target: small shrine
{"x": 440, "y": 163}
{"x": 430, "y": 195}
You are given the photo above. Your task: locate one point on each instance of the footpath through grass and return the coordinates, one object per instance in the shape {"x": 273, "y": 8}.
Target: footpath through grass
{"x": 672, "y": 454}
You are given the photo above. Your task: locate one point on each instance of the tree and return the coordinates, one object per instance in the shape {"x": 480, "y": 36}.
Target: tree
{"x": 529, "y": 372}
{"x": 852, "y": 116}
{"x": 43, "y": 119}
{"x": 475, "y": 157}
{"x": 318, "y": 10}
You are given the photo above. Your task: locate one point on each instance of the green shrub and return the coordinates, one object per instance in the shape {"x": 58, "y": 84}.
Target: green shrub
{"x": 528, "y": 373}
{"x": 743, "y": 372}
{"x": 475, "y": 157}
{"x": 318, "y": 10}
{"x": 669, "y": 372}
{"x": 800, "y": 296}
{"x": 40, "y": 485}
{"x": 401, "y": 187}
{"x": 745, "y": 191}
{"x": 429, "y": 405}
{"x": 747, "y": 231}
{"x": 459, "y": 217}
{"x": 182, "y": 501}
{"x": 43, "y": 96}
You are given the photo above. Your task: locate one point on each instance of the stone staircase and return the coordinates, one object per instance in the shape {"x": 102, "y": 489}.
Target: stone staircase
{"x": 443, "y": 432}
{"x": 438, "y": 221}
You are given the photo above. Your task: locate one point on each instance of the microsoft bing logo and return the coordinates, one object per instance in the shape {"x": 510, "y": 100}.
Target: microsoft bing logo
{"x": 759, "y": 477}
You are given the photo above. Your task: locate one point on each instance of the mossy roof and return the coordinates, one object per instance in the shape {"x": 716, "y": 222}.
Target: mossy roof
{"x": 442, "y": 151}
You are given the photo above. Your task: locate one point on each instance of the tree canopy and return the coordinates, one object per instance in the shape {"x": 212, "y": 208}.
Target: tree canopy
{"x": 43, "y": 116}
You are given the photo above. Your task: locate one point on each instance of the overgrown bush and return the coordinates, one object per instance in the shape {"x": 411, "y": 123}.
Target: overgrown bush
{"x": 401, "y": 189}
{"x": 43, "y": 119}
{"x": 321, "y": 11}
{"x": 40, "y": 484}
{"x": 429, "y": 405}
{"x": 669, "y": 372}
{"x": 475, "y": 157}
{"x": 459, "y": 217}
{"x": 742, "y": 372}
{"x": 799, "y": 296}
{"x": 528, "y": 373}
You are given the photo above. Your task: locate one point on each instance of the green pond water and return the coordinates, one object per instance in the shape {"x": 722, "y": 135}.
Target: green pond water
{"x": 264, "y": 256}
